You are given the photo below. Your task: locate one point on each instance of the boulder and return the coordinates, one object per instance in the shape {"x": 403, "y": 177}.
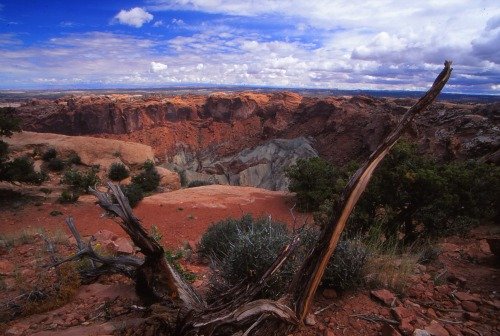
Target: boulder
{"x": 169, "y": 179}
{"x": 92, "y": 151}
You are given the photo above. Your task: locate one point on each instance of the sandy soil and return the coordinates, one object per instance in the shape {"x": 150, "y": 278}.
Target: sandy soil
{"x": 181, "y": 216}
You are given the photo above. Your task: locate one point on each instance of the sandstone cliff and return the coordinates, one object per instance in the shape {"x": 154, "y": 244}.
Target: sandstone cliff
{"x": 343, "y": 128}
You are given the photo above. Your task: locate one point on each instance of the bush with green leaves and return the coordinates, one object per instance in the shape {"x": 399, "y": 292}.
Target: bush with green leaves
{"x": 117, "y": 172}
{"x": 198, "y": 183}
{"x": 68, "y": 196}
{"x": 244, "y": 248}
{"x": 314, "y": 181}
{"x": 80, "y": 181}
{"x": 345, "y": 269}
{"x": 149, "y": 179}
{"x": 410, "y": 193}
{"x": 133, "y": 193}
{"x": 74, "y": 158}
{"x": 423, "y": 199}
{"x": 55, "y": 164}
{"x": 21, "y": 169}
{"x": 49, "y": 154}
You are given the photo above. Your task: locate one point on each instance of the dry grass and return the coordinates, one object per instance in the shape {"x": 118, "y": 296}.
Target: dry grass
{"x": 390, "y": 264}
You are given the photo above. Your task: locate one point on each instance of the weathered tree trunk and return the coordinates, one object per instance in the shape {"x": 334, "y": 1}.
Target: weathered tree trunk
{"x": 239, "y": 310}
{"x": 307, "y": 281}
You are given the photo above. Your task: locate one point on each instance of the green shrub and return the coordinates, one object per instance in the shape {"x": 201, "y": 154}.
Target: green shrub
{"x": 411, "y": 194}
{"x": 55, "y": 164}
{"x": 423, "y": 199}
{"x": 244, "y": 248}
{"x": 80, "y": 181}
{"x": 21, "y": 169}
{"x": 74, "y": 158}
{"x": 49, "y": 154}
{"x": 117, "y": 172}
{"x": 133, "y": 193}
{"x": 315, "y": 180}
{"x": 149, "y": 179}
{"x": 69, "y": 196}
{"x": 345, "y": 269}
{"x": 198, "y": 183}
{"x": 217, "y": 240}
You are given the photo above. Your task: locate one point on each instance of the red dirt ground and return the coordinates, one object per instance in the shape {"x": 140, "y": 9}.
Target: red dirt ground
{"x": 181, "y": 216}
{"x": 434, "y": 298}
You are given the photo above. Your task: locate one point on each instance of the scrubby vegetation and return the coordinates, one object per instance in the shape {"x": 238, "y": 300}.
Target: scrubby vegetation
{"x": 198, "y": 183}
{"x": 118, "y": 171}
{"x": 134, "y": 194}
{"x": 410, "y": 195}
{"x": 81, "y": 181}
{"x": 78, "y": 183}
{"x": 55, "y": 164}
{"x": 21, "y": 168}
{"x": 149, "y": 179}
{"x": 244, "y": 248}
{"x": 49, "y": 154}
{"x": 144, "y": 182}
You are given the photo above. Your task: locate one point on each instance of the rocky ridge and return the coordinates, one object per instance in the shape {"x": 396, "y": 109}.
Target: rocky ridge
{"x": 343, "y": 128}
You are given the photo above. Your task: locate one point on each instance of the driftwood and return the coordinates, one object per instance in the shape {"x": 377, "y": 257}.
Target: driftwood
{"x": 238, "y": 309}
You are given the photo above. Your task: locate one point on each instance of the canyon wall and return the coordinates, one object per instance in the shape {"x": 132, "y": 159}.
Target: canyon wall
{"x": 340, "y": 128}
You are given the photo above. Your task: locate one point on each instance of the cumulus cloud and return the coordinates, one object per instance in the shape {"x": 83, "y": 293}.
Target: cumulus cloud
{"x": 158, "y": 67}
{"x": 295, "y": 43}
{"x": 487, "y": 45}
{"x": 134, "y": 17}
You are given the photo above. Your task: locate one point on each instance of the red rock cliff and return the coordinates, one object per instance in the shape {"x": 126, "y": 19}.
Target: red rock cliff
{"x": 344, "y": 128}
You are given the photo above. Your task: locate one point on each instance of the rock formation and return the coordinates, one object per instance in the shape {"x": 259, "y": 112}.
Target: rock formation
{"x": 92, "y": 151}
{"x": 343, "y": 128}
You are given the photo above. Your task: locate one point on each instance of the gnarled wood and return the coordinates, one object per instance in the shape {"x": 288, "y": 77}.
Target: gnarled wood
{"x": 156, "y": 279}
{"x": 307, "y": 280}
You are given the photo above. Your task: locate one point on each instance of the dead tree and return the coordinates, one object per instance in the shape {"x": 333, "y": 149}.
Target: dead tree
{"x": 239, "y": 310}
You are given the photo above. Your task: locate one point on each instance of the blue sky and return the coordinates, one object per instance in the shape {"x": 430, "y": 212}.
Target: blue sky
{"x": 377, "y": 44}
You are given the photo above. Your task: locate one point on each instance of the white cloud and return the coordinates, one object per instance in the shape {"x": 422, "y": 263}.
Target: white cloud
{"x": 135, "y": 17}
{"x": 158, "y": 23}
{"x": 158, "y": 67}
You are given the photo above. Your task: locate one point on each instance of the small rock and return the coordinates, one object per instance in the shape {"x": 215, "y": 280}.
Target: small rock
{"x": 405, "y": 325}
{"x": 459, "y": 280}
{"x": 469, "y": 306}
{"x": 328, "y": 332}
{"x": 310, "y": 320}
{"x": 401, "y": 313}
{"x": 6, "y": 267}
{"x": 452, "y": 330}
{"x": 469, "y": 332}
{"x": 484, "y": 246}
{"x": 472, "y": 316}
{"x": 420, "y": 332}
{"x": 462, "y": 296}
{"x": 384, "y": 296}
{"x": 436, "y": 329}
{"x": 124, "y": 246}
{"x": 105, "y": 235}
{"x": 388, "y": 330}
{"x": 329, "y": 293}
{"x": 17, "y": 329}
{"x": 431, "y": 313}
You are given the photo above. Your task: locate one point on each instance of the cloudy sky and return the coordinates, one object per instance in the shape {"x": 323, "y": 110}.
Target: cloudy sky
{"x": 345, "y": 44}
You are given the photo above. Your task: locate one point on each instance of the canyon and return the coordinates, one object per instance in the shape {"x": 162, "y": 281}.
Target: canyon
{"x": 340, "y": 128}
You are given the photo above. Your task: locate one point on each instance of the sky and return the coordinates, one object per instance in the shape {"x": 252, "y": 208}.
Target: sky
{"x": 327, "y": 44}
